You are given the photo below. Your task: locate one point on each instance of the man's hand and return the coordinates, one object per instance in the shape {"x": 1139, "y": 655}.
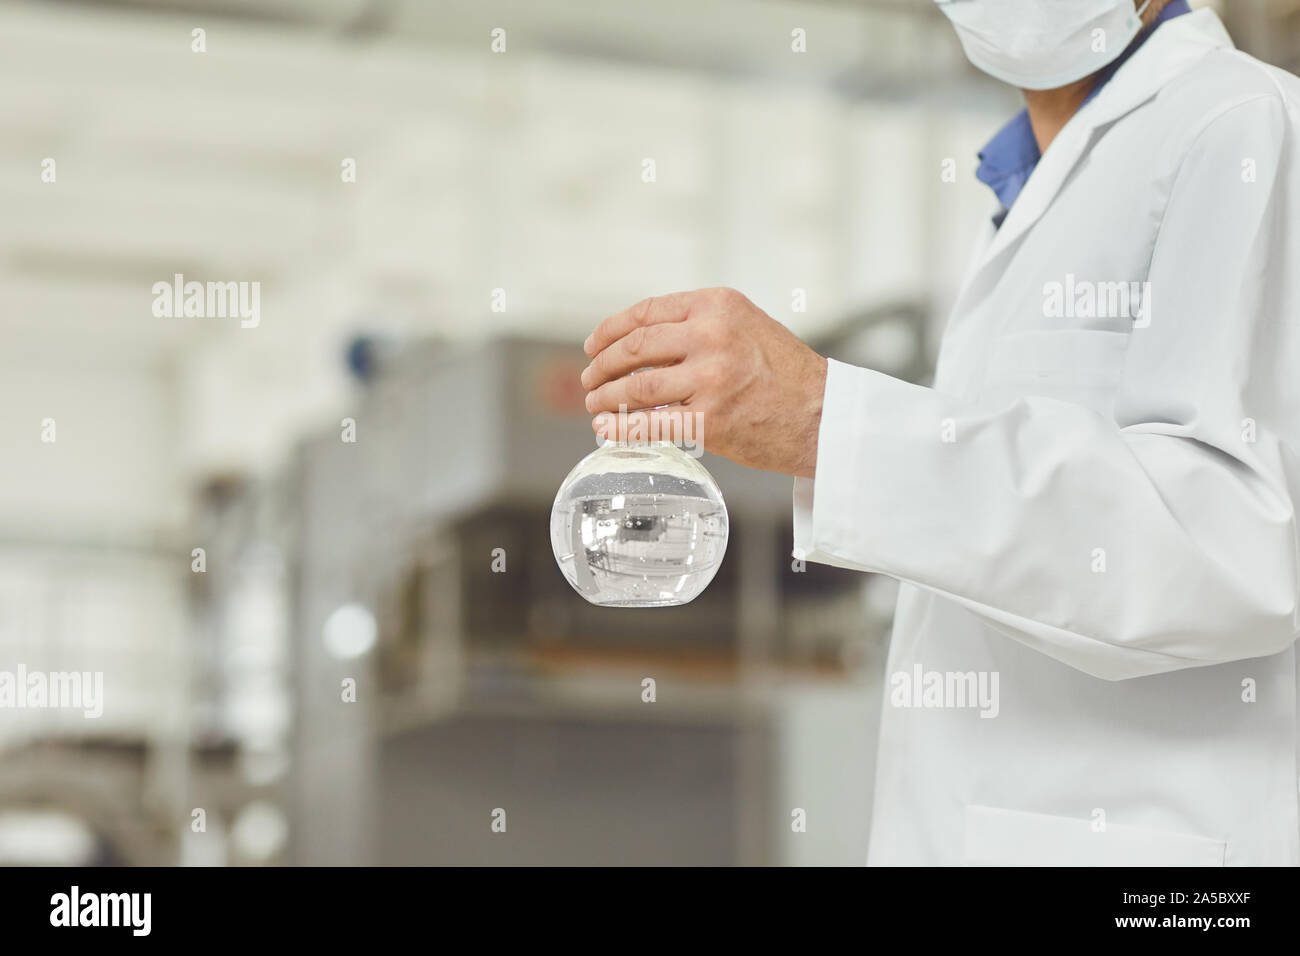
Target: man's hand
{"x": 713, "y": 352}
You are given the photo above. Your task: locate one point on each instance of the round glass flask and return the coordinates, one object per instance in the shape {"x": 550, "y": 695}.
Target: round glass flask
{"x": 639, "y": 525}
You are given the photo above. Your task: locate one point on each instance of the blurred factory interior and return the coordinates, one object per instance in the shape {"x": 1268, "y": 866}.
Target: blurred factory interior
{"x": 182, "y": 510}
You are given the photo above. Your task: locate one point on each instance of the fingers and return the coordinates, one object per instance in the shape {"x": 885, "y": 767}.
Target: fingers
{"x": 648, "y": 389}
{"x": 643, "y": 347}
{"x": 653, "y": 311}
{"x": 672, "y": 423}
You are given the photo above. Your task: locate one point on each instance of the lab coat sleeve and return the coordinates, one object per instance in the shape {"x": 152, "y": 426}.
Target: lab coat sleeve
{"x": 1163, "y": 538}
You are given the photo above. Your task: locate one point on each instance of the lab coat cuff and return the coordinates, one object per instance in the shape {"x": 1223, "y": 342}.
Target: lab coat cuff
{"x": 822, "y": 504}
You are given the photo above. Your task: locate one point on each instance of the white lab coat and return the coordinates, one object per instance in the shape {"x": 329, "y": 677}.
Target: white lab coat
{"x": 1100, "y": 510}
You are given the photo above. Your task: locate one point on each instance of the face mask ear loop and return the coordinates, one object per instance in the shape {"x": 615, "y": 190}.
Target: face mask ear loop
{"x": 1143, "y": 9}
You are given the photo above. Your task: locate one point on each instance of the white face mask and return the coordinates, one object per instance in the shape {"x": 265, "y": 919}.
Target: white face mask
{"x": 1043, "y": 44}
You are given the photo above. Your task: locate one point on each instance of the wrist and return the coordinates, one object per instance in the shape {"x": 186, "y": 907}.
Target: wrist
{"x": 806, "y": 466}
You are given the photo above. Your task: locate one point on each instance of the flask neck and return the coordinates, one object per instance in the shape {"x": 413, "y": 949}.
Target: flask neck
{"x": 639, "y": 443}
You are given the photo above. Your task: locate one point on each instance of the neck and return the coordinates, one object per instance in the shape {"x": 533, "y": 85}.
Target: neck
{"x": 1050, "y": 110}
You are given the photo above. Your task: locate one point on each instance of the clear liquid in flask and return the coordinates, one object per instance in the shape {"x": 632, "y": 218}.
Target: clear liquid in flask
{"x": 639, "y": 538}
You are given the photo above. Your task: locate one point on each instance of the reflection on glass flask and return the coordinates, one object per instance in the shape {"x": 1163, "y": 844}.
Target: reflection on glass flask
{"x": 639, "y": 525}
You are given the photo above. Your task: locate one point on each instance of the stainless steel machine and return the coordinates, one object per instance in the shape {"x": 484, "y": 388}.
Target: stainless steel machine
{"x": 493, "y": 695}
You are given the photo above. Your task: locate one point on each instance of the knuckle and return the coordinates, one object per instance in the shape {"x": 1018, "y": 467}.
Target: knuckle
{"x": 641, "y": 311}
{"x": 643, "y": 388}
{"x": 633, "y": 389}
{"x": 635, "y": 341}
{"x": 725, "y": 296}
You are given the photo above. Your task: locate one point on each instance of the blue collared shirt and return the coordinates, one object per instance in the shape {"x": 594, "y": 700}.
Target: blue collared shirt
{"x": 1008, "y": 159}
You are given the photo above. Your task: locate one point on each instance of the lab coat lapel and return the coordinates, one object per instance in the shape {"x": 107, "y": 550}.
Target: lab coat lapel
{"x": 1170, "y": 50}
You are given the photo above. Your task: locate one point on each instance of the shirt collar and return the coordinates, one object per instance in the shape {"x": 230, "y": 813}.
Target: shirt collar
{"x": 1009, "y": 158}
